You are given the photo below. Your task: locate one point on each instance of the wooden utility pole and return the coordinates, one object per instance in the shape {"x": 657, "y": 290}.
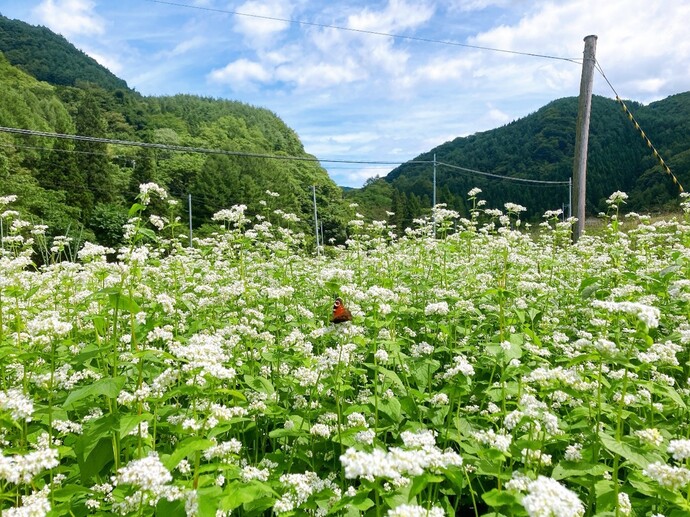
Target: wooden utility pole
{"x": 582, "y": 134}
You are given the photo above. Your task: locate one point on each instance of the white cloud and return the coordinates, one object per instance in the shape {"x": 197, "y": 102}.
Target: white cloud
{"x": 496, "y": 115}
{"x": 319, "y": 75}
{"x": 70, "y": 17}
{"x": 110, "y": 62}
{"x": 263, "y": 21}
{"x": 477, "y": 5}
{"x": 397, "y": 16}
{"x": 240, "y": 73}
{"x": 638, "y": 42}
{"x": 187, "y": 45}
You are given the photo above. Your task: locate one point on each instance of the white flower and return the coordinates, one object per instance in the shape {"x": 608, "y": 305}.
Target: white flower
{"x": 320, "y": 430}
{"x": 397, "y": 462}
{"x": 22, "y": 468}
{"x": 145, "y": 190}
{"x": 617, "y": 197}
{"x": 439, "y": 399}
{"x": 500, "y": 441}
{"x": 440, "y": 308}
{"x": 546, "y": 497}
{"x": 147, "y": 473}
{"x": 645, "y": 313}
{"x": 680, "y": 449}
{"x": 381, "y": 355}
{"x": 474, "y": 192}
{"x": 514, "y": 208}
{"x": 667, "y": 476}
{"x": 35, "y": 505}
{"x": 248, "y": 473}
{"x": 413, "y": 510}
{"x": 573, "y": 452}
{"x": 19, "y": 405}
{"x": 651, "y": 436}
{"x": 624, "y": 505}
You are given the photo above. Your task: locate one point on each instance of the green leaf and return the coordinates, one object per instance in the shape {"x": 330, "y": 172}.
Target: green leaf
{"x": 184, "y": 449}
{"x": 109, "y": 387}
{"x": 95, "y": 431}
{"x": 606, "y": 496}
{"x": 209, "y": 500}
{"x": 623, "y": 449}
{"x": 419, "y": 483}
{"x": 663, "y": 389}
{"x": 392, "y": 408}
{"x": 566, "y": 469}
{"x": 68, "y": 492}
{"x": 238, "y": 493}
{"x": 124, "y": 303}
{"x": 100, "y": 454}
{"x": 170, "y": 508}
{"x": 393, "y": 378}
{"x": 644, "y": 486}
{"x": 136, "y": 207}
{"x": 260, "y": 384}
{"x": 129, "y": 422}
{"x": 498, "y": 498}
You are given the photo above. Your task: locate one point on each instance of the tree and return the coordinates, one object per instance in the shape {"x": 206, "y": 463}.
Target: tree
{"x": 92, "y": 159}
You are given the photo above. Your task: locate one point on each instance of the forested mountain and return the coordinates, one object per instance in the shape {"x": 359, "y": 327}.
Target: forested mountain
{"x": 541, "y": 146}
{"x": 72, "y": 184}
{"x": 50, "y": 57}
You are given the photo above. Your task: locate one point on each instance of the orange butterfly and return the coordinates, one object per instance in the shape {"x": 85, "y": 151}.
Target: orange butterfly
{"x": 340, "y": 313}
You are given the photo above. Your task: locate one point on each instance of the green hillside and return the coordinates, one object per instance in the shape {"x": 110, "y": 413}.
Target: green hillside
{"x": 89, "y": 186}
{"x": 541, "y": 146}
{"x": 50, "y": 57}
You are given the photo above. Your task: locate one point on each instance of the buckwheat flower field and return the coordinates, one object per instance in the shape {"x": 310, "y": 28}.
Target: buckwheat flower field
{"x": 492, "y": 369}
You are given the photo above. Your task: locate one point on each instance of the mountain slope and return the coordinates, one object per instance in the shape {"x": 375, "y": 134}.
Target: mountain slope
{"x": 50, "y": 57}
{"x": 541, "y": 146}
{"x": 67, "y": 183}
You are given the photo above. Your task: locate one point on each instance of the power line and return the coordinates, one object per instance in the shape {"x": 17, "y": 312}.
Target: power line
{"x": 180, "y": 148}
{"x": 186, "y": 149}
{"x": 507, "y": 178}
{"x": 365, "y": 31}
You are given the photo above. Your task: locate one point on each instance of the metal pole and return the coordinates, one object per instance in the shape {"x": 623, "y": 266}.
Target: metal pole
{"x": 582, "y": 134}
{"x": 433, "y": 209}
{"x": 570, "y": 197}
{"x": 189, "y": 203}
{"x": 316, "y": 220}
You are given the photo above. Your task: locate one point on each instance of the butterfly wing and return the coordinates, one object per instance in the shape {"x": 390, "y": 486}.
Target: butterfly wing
{"x": 340, "y": 313}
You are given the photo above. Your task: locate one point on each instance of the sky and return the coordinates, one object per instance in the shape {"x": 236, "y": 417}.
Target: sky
{"x": 352, "y": 93}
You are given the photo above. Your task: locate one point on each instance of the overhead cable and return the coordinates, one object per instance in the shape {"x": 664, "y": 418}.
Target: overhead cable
{"x": 186, "y": 149}
{"x": 507, "y": 178}
{"x": 365, "y": 31}
{"x": 180, "y": 148}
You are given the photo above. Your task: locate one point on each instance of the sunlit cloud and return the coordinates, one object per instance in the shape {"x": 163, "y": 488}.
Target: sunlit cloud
{"x": 240, "y": 72}
{"x": 70, "y": 17}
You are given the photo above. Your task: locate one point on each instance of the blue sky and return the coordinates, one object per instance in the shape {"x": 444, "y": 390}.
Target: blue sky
{"x": 352, "y": 95}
